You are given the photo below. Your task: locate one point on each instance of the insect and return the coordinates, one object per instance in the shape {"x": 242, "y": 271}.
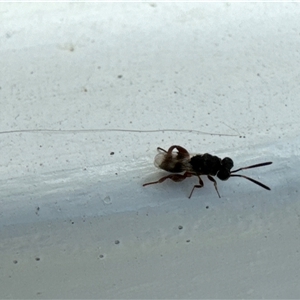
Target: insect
{"x": 196, "y": 165}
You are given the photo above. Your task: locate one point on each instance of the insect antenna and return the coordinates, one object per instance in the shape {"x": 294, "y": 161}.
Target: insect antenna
{"x": 253, "y": 166}
{"x": 251, "y": 179}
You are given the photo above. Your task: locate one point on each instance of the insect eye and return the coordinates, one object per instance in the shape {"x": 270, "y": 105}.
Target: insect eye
{"x": 227, "y": 163}
{"x": 223, "y": 174}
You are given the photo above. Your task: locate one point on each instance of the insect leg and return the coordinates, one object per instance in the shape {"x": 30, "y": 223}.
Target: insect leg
{"x": 161, "y": 150}
{"x": 215, "y": 183}
{"x": 174, "y": 177}
{"x": 200, "y": 185}
{"x": 180, "y": 149}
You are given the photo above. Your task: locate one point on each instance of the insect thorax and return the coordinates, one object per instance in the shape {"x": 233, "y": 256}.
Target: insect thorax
{"x": 206, "y": 164}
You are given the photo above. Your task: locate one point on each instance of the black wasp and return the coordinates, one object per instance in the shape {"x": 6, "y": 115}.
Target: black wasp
{"x": 197, "y": 165}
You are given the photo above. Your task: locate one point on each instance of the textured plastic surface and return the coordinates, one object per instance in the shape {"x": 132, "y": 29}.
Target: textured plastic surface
{"x": 75, "y": 221}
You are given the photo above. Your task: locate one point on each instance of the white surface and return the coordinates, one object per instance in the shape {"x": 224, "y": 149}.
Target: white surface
{"x": 65, "y": 201}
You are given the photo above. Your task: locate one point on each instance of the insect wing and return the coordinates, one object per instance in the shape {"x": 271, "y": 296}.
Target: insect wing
{"x": 159, "y": 159}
